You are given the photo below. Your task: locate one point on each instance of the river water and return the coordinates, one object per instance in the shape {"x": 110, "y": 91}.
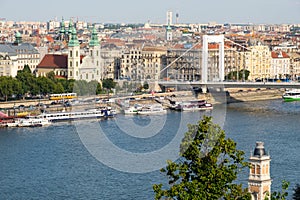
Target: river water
{"x": 120, "y": 158}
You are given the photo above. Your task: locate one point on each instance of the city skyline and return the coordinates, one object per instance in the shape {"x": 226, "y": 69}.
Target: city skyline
{"x": 133, "y": 11}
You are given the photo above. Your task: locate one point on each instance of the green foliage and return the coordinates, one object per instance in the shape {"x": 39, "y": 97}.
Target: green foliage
{"x": 26, "y": 69}
{"x": 6, "y": 87}
{"x": 26, "y": 83}
{"x": 296, "y": 195}
{"x": 108, "y": 83}
{"x": 51, "y": 75}
{"x": 208, "y": 166}
{"x": 146, "y": 85}
{"x": 237, "y": 75}
{"x": 279, "y": 195}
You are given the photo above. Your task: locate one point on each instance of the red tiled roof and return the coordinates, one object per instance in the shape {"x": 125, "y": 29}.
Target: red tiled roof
{"x": 49, "y": 38}
{"x": 54, "y": 61}
{"x": 275, "y": 54}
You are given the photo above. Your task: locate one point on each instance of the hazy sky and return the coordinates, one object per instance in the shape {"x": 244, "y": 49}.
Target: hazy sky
{"x": 140, "y": 11}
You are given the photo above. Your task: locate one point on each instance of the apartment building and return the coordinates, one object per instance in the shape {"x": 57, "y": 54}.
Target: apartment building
{"x": 14, "y": 56}
{"x": 280, "y": 65}
{"x": 258, "y": 62}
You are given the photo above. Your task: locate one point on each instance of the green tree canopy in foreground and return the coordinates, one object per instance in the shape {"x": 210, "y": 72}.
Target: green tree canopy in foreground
{"x": 208, "y": 166}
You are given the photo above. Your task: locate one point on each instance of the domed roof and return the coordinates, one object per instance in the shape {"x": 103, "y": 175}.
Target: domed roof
{"x": 259, "y": 150}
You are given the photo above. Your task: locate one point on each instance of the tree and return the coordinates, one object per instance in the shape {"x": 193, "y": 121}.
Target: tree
{"x": 6, "y": 87}
{"x": 108, "y": 83}
{"x": 208, "y": 166}
{"x": 296, "y": 195}
{"x": 51, "y": 75}
{"x": 146, "y": 85}
{"x": 279, "y": 195}
{"x": 26, "y": 69}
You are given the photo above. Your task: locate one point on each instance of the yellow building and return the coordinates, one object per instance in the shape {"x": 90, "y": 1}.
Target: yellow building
{"x": 153, "y": 61}
{"x": 258, "y": 62}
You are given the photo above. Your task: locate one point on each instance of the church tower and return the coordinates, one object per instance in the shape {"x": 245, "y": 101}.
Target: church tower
{"x": 94, "y": 53}
{"x": 62, "y": 31}
{"x": 169, "y": 35}
{"x": 18, "y": 38}
{"x": 259, "y": 183}
{"x": 73, "y": 56}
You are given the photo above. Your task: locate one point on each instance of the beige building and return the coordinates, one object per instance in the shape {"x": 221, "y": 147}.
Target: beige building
{"x": 153, "y": 61}
{"x": 131, "y": 64}
{"x": 294, "y": 65}
{"x": 16, "y": 55}
{"x": 258, "y": 62}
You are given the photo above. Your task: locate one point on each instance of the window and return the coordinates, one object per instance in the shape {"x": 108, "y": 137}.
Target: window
{"x": 76, "y": 53}
{"x": 71, "y": 54}
{"x": 71, "y": 63}
{"x": 258, "y": 169}
{"x": 252, "y": 169}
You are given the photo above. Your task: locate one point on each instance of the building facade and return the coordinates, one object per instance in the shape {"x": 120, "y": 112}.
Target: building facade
{"x": 14, "y": 56}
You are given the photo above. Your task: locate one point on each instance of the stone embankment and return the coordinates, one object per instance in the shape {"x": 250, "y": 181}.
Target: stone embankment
{"x": 228, "y": 96}
{"x": 253, "y": 95}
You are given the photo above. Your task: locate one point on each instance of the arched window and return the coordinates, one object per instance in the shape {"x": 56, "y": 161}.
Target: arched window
{"x": 258, "y": 169}
{"x": 71, "y": 54}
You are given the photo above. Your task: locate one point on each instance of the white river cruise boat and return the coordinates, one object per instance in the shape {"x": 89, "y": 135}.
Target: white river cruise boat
{"x": 28, "y": 122}
{"x": 77, "y": 115}
{"x": 152, "y": 109}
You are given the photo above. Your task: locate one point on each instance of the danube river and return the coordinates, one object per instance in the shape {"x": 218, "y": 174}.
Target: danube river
{"x": 119, "y": 158}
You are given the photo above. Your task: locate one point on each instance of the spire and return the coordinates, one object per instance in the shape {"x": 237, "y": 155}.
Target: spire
{"x": 94, "y": 39}
{"x": 62, "y": 27}
{"x": 18, "y": 37}
{"x": 74, "y": 40}
{"x": 70, "y": 26}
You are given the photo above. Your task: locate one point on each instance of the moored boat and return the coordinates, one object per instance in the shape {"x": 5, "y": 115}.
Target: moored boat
{"x": 291, "y": 95}
{"x": 132, "y": 109}
{"x": 77, "y": 115}
{"x": 194, "y": 105}
{"x": 28, "y": 122}
{"x": 152, "y": 109}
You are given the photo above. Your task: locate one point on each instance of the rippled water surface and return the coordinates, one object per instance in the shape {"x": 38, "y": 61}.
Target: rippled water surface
{"x": 53, "y": 162}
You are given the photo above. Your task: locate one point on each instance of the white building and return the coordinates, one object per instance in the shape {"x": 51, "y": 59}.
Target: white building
{"x": 15, "y": 56}
{"x": 280, "y": 65}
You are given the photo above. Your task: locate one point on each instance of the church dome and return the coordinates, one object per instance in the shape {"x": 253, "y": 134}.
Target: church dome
{"x": 259, "y": 150}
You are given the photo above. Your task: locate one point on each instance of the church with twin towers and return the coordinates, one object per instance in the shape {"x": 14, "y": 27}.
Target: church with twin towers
{"x": 74, "y": 65}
